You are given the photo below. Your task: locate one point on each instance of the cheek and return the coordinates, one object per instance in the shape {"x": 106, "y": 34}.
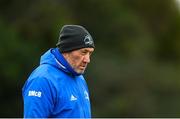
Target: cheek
{"x": 77, "y": 60}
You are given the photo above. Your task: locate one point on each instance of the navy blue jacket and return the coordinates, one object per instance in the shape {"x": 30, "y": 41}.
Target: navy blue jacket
{"x": 55, "y": 90}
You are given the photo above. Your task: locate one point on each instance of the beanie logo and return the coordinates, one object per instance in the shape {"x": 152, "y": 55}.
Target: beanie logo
{"x": 88, "y": 40}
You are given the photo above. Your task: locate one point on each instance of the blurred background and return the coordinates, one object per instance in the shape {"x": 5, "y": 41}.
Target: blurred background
{"x": 134, "y": 71}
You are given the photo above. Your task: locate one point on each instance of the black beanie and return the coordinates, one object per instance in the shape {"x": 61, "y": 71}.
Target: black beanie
{"x": 73, "y": 37}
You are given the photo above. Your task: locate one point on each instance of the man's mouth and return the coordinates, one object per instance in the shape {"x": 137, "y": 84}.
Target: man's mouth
{"x": 83, "y": 67}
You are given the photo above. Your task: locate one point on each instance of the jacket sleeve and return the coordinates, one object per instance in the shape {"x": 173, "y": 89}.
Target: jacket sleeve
{"x": 38, "y": 98}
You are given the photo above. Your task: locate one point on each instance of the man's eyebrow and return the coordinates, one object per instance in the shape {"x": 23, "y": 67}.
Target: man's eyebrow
{"x": 85, "y": 50}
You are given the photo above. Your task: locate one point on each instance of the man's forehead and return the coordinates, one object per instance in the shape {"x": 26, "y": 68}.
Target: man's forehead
{"x": 87, "y": 49}
{"x": 82, "y": 50}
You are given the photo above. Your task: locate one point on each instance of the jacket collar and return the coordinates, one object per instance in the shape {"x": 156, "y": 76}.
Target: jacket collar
{"x": 54, "y": 57}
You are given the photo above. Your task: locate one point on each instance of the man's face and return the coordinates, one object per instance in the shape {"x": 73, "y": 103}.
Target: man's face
{"x": 78, "y": 59}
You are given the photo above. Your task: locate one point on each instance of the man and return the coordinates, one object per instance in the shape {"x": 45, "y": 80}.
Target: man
{"x": 56, "y": 88}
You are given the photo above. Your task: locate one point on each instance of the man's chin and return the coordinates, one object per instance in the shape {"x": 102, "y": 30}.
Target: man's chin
{"x": 80, "y": 71}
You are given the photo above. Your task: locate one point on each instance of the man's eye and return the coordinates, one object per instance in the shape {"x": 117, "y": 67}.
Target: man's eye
{"x": 84, "y": 52}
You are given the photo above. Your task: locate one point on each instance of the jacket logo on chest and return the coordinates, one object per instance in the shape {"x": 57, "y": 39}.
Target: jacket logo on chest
{"x": 73, "y": 97}
{"x": 86, "y": 95}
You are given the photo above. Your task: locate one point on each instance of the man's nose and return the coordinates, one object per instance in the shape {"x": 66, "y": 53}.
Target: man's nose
{"x": 87, "y": 58}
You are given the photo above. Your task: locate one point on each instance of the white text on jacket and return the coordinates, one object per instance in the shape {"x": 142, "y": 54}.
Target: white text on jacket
{"x": 34, "y": 93}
